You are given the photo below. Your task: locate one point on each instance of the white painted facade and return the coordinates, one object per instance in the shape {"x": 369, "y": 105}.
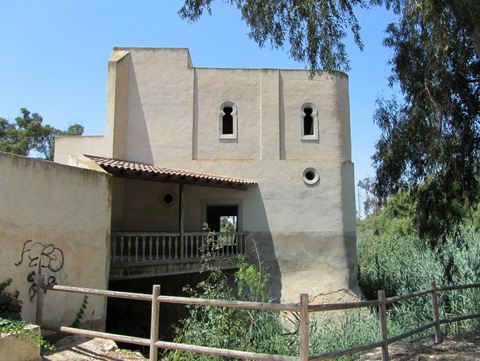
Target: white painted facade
{"x": 163, "y": 111}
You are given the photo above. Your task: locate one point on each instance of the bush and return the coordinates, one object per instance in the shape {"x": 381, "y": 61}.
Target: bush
{"x": 10, "y": 305}
{"x": 231, "y": 328}
{"x": 10, "y": 318}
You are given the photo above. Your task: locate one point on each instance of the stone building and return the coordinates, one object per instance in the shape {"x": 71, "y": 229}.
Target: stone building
{"x": 267, "y": 151}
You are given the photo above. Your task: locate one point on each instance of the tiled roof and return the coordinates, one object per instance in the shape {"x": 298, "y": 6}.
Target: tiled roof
{"x": 126, "y": 169}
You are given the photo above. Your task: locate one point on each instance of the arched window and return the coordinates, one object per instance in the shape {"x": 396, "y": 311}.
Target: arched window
{"x": 309, "y": 122}
{"x": 228, "y": 121}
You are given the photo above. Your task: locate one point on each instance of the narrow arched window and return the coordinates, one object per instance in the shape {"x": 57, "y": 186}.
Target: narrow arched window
{"x": 309, "y": 122}
{"x": 228, "y": 121}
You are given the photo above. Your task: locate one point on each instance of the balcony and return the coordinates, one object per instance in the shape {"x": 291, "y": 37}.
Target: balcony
{"x": 151, "y": 254}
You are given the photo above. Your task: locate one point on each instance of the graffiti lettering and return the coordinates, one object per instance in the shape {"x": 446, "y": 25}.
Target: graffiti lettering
{"x": 41, "y": 257}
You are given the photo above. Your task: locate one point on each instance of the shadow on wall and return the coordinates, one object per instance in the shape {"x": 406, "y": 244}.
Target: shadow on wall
{"x": 349, "y": 226}
{"x": 261, "y": 241}
{"x": 140, "y": 148}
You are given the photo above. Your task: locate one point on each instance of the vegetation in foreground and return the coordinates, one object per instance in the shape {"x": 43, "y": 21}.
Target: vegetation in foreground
{"x": 396, "y": 262}
{"x": 10, "y": 318}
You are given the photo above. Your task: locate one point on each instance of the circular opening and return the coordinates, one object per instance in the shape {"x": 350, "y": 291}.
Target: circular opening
{"x": 311, "y": 176}
{"x": 167, "y": 198}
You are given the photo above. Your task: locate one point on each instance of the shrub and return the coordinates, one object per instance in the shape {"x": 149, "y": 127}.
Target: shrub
{"x": 10, "y": 318}
{"x": 232, "y": 328}
{"x": 10, "y": 304}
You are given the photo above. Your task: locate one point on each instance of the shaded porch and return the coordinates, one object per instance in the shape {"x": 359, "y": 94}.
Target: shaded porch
{"x": 138, "y": 251}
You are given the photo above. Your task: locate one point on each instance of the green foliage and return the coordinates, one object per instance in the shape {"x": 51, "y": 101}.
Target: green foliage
{"x": 28, "y": 134}
{"x": 19, "y": 329}
{"x": 367, "y": 198}
{"x": 404, "y": 264}
{"x": 251, "y": 283}
{"x": 396, "y": 263}
{"x": 10, "y": 318}
{"x": 228, "y": 224}
{"x": 10, "y": 304}
{"x": 430, "y": 139}
{"x": 342, "y": 330}
{"x": 315, "y": 30}
{"x": 81, "y": 312}
{"x": 395, "y": 217}
{"x": 231, "y": 328}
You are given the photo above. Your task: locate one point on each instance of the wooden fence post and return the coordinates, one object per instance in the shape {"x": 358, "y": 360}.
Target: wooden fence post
{"x": 436, "y": 317}
{"x": 382, "y": 312}
{"x": 304, "y": 327}
{"x": 40, "y": 300}
{"x": 155, "y": 320}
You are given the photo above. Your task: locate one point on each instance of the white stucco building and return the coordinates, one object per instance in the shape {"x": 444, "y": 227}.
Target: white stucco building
{"x": 268, "y": 149}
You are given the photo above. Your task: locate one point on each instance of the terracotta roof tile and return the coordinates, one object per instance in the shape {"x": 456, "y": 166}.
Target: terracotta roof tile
{"x": 152, "y": 172}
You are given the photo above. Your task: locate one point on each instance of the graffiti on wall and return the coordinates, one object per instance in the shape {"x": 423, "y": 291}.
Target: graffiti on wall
{"x": 44, "y": 259}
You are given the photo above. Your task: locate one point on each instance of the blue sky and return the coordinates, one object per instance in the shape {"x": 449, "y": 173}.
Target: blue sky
{"x": 55, "y": 53}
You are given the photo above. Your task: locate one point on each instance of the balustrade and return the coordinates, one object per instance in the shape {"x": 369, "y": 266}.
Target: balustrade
{"x": 157, "y": 247}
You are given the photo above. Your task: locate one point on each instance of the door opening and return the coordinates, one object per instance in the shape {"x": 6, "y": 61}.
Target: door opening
{"x": 222, "y": 218}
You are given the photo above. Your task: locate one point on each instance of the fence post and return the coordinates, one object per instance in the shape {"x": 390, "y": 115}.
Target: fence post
{"x": 40, "y": 300}
{"x": 436, "y": 317}
{"x": 155, "y": 320}
{"x": 304, "y": 327}
{"x": 382, "y": 312}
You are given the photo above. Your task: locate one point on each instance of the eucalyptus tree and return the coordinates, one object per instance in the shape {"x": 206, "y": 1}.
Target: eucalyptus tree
{"x": 430, "y": 139}
{"x": 313, "y": 30}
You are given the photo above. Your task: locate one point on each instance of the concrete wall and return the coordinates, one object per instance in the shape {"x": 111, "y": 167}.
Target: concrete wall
{"x": 55, "y": 220}
{"x": 14, "y": 348}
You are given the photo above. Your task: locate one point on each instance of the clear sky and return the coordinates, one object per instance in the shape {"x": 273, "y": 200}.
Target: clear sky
{"x": 54, "y": 57}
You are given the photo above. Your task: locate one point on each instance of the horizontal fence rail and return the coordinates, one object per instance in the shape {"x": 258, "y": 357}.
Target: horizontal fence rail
{"x": 302, "y": 308}
{"x": 138, "y": 247}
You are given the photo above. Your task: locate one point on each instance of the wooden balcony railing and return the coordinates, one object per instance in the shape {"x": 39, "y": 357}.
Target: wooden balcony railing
{"x": 157, "y": 247}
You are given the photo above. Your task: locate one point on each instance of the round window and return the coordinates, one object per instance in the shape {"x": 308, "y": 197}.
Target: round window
{"x": 311, "y": 176}
{"x": 167, "y": 198}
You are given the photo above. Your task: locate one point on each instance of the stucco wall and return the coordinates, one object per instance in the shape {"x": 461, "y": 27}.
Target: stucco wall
{"x": 72, "y": 145}
{"x": 214, "y": 87}
{"x": 55, "y": 220}
{"x": 170, "y": 117}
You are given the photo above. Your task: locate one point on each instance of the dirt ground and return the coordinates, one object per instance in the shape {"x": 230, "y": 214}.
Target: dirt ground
{"x": 77, "y": 348}
{"x": 462, "y": 347}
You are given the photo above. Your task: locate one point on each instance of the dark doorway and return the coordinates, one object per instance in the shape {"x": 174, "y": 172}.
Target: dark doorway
{"x": 223, "y": 218}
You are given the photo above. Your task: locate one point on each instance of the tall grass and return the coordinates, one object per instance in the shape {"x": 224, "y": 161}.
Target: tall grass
{"x": 396, "y": 264}
{"x": 401, "y": 265}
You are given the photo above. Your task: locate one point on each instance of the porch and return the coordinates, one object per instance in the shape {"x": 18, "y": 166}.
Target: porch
{"x": 149, "y": 254}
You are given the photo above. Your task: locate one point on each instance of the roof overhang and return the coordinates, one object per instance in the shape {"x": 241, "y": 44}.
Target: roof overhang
{"x": 153, "y": 173}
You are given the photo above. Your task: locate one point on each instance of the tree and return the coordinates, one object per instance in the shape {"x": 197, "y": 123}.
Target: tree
{"x": 369, "y": 202}
{"x": 430, "y": 139}
{"x": 27, "y": 135}
{"x": 315, "y": 30}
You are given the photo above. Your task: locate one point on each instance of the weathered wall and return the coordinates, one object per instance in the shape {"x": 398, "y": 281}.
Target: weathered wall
{"x": 170, "y": 117}
{"x": 14, "y": 348}
{"x": 55, "y": 220}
